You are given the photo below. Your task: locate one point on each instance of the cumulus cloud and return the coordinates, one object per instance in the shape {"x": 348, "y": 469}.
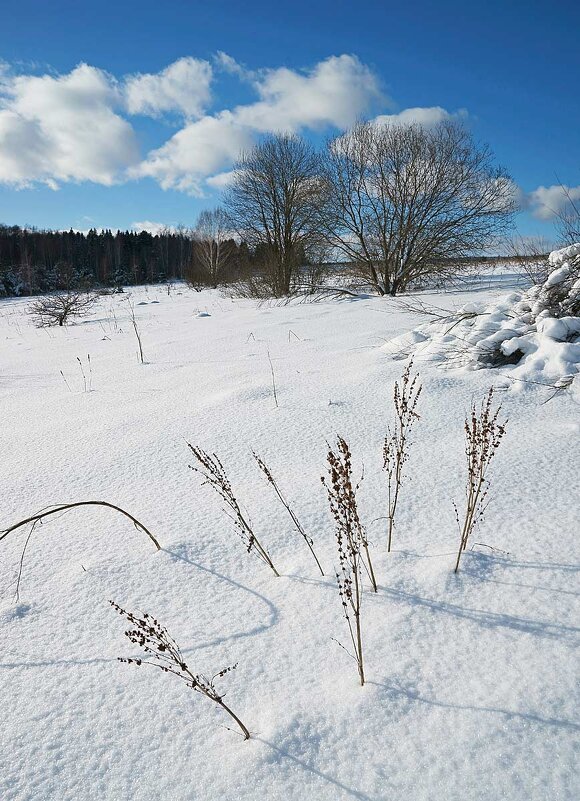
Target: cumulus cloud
{"x": 334, "y": 93}
{"x": 183, "y": 87}
{"x": 153, "y": 228}
{"x": 63, "y": 128}
{"x": 548, "y": 202}
{"x": 198, "y": 150}
{"x": 426, "y": 116}
{"x": 75, "y": 127}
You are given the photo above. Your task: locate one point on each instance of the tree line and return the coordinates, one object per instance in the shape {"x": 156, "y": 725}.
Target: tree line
{"x": 400, "y": 204}
{"x": 37, "y": 262}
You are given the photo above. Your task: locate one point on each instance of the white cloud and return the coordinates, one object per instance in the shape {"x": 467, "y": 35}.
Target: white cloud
{"x": 63, "y": 128}
{"x": 425, "y": 116}
{"x": 183, "y": 86}
{"x": 221, "y": 179}
{"x": 153, "y": 228}
{"x": 334, "y": 93}
{"x": 548, "y": 202}
{"x": 195, "y": 152}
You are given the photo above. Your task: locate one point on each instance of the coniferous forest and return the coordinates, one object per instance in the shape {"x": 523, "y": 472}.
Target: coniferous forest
{"x": 35, "y": 262}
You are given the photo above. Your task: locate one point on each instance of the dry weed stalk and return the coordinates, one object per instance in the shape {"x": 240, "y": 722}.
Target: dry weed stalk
{"x": 351, "y": 542}
{"x": 270, "y": 478}
{"x": 215, "y": 475}
{"x": 397, "y": 441}
{"x": 483, "y": 436}
{"x": 64, "y": 507}
{"x": 164, "y": 653}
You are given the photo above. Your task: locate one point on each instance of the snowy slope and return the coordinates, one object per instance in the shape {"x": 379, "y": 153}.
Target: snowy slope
{"x": 472, "y": 678}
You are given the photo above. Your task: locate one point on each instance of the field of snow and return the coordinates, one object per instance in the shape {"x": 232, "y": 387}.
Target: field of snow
{"x": 472, "y": 686}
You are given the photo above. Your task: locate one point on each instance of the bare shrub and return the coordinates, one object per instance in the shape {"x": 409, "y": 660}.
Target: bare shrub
{"x": 351, "y": 543}
{"x": 163, "y": 652}
{"x": 215, "y": 475}
{"x": 270, "y": 478}
{"x": 59, "y": 309}
{"x": 483, "y": 435}
{"x": 397, "y": 442}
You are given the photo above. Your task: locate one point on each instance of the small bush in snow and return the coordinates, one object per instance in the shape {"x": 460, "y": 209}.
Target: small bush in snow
{"x": 215, "y": 475}
{"x": 163, "y": 652}
{"x": 270, "y": 478}
{"x": 58, "y": 309}
{"x": 352, "y": 545}
{"x": 483, "y": 435}
{"x": 397, "y": 441}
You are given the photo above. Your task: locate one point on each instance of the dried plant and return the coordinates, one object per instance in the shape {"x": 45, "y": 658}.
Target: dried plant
{"x": 60, "y": 308}
{"x": 267, "y": 472}
{"x": 163, "y": 652}
{"x": 215, "y": 475}
{"x": 351, "y": 543}
{"x": 136, "y": 330}
{"x": 273, "y": 379}
{"x": 64, "y": 507}
{"x": 483, "y": 436}
{"x": 38, "y": 518}
{"x": 397, "y": 442}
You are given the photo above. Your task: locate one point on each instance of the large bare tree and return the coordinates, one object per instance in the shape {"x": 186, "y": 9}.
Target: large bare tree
{"x": 406, "y": 201}
{"x": 274, "y": 202}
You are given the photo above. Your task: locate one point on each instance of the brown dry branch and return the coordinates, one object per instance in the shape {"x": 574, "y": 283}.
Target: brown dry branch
{"x": 483, "y": 435}
{"x": 64, "y": 507}
{"x": 270, "y": 478}
{"x": 397, "y": 442}
{"x": 215, "y": 475}
{"x": 163, "y": 652}
{"x": 351, "y": 543}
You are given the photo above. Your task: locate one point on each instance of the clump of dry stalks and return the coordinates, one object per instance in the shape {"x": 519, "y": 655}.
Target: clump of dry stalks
{"x": 353, "y": 552}
{"x": 271, "y": 480}
{"x": 483, "y": 435}
{"x": 163, "y": 652}
{"x": 397, "y": 441}
{"x": 215, "y": 475}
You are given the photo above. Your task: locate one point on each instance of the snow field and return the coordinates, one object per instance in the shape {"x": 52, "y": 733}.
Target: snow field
{"x": 472, "y": 679}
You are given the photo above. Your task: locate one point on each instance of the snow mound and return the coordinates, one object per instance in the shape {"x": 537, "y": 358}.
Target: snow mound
{"x": 534, "y": 334}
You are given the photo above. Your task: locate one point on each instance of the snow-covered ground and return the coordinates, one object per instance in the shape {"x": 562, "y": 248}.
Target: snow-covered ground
{"x": 472, "y": 686}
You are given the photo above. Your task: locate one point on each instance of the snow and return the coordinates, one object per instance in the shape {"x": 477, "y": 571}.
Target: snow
{"x": 472, "y": 686}
{"x": 529, "y": 334}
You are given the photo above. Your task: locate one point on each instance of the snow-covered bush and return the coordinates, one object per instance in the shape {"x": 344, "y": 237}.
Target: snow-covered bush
{"x": 534, "y": 334}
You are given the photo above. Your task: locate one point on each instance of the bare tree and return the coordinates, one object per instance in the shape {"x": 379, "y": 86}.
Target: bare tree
{"x": 212, "y": 244}
{"x": 274, "y": 203}
{"x": 59, "y": 308}
{"x": 407, "y": 202}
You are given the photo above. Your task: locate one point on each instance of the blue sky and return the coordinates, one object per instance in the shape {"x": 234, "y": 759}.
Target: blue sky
{"x": 147, "y": 130}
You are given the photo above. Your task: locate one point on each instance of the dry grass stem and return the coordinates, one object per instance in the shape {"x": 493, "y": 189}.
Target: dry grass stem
{"x": 215, "y": 475}
{"x": 483, "y": 435}
{"x": 351, "y": 543}
{"x": 397, "y": 442}
{"x": 163, "y": 652}
{"x": 270, "y": 478}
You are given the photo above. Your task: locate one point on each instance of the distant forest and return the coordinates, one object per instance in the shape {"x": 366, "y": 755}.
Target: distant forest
{"x": 35, "y": 262}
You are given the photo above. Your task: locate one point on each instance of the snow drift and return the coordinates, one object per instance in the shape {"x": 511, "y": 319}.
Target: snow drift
{"x": 534, "y": 334}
